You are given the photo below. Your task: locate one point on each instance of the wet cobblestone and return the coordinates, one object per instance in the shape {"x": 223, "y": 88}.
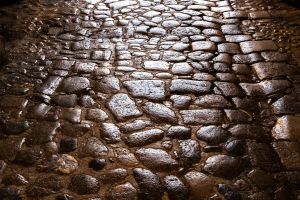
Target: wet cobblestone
{"x": 154, "y": 99}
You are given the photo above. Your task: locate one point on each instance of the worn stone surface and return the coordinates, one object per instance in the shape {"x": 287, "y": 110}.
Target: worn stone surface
{"x": 123, "y": 107}
{"x": 75, "y": 84}
{"x": 212, "y": 134}
{"x": 287, "y": 128}
{"x": 190, "y": 86}
{"x": 151, "y": 100}
{"x": 144, "y": 137}
{"x": 156, "y": 159}
{"x": 257, "y": 46}
{"x": 224, "y": 166}
{"x": 289, "y": 154}
{"x": 84, "y": 184}
{"x": 160, "y": 113}
{"x": 150, "y": 89}
{"x": 149, "y": 184}
{"x": 201, "y": 184}
{"x": 176, "y": 188}
{"x": 204, "y": 116}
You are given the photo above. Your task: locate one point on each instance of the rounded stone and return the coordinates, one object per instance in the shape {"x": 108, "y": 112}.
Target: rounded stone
{"x": 75, "y": 84}
{"x": 224, "y": 166}
{"x": 28, "y": 156}
{"x": 149, "y": 184}
{"x": 176, "y": 188}
{"x": 122, "y": 192}
{"x": 179, "y": 132}
{"x": 68, "y": 145}
{"x": 97, "y": 164}
{"x": 84, "y": 184}
{"x": 14, "y": 179}
{"x": 201, "y": 185}
{"x": 181, "y": 69}
{"x": 212, "y": 134}
{"x": 235, "y": 146}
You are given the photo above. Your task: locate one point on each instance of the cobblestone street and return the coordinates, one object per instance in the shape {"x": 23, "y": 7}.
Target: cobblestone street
{"x": 150, "y": 100}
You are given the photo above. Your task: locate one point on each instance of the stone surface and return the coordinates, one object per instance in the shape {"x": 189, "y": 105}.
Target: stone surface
{"x": 63, "y": 164}
{"x": 44, "y": 186}
{"x": 157, "y": 65}
{"x": 189, "y": 151}
{"x": 148, "y": 183}
{"x": 224, "y": 166}
{"x": 287, "y": 128}
{"x": 144, "y": 137}
{"x": 84, "y": 184}
{"x": 204, "y": 116}
{"x": 149, "y": 89}
{"x": 75, "y": 84}
{"x": 179, "y": 132}
{"x": 110, "y": 133}
{"x": 108, "y": 85}
{"x": 149, "y": 100}
{"x": 212, "y": 134}
{"x": 160, "y": 113}
{"x": 156, "y": 159}
{"x": 123, "y": 107}
{"x": 176, "y": 188}
{"x": 190, "y": 86}
{"x": 264, "y": 156}
{"x": 289, "y": 154}
{"x": 123, "y": 192}
{"x": 201, "y": 184}
{"x": 257, "y": 46}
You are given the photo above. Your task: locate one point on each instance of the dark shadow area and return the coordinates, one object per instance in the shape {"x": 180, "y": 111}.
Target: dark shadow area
{"x": 293, "y": 2}
{"x": 9, "y": 2}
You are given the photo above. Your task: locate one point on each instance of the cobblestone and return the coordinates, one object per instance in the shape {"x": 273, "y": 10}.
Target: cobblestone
{"x": 161, "y": 99}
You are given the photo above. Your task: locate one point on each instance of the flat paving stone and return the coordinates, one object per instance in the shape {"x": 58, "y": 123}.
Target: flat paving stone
{"x": 267, "y": 70}
{"x": 123, "y": 107}
{"x": 204, "y": 46}
{"x": 150, "y": 100}
{"x": 160, "y": 113}
{"x": 157, "y": 65}
{"x": 50, "y": 85}
{"x": 190, "y": 86}
{"x": 258, "y": 46}
{"x": 144, "y": 137}
{"x": 203, "y": 116}
{"x": 149, "y": 89}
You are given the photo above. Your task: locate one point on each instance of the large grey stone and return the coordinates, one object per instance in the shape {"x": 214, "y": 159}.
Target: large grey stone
{"x": 257, "y": 46}
{"x": 75, "y": 84}
{"x": 202, "y": 116}
{"x": 190, "y": 86}
{"x": 123, "y": 107}
{"x": 149, "y": 89}
{"x": 160, "y": 113}
{"x": 156, "y": 159}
